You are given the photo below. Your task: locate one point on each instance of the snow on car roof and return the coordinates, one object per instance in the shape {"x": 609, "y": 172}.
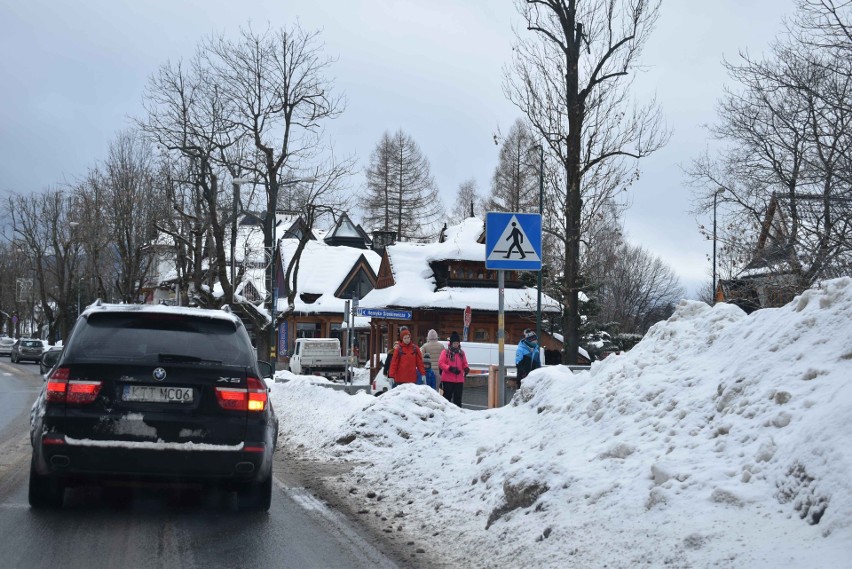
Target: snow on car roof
{"x": 161, "y": 309}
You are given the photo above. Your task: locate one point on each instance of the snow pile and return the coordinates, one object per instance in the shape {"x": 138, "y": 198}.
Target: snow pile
{"x": 721, "y": 439}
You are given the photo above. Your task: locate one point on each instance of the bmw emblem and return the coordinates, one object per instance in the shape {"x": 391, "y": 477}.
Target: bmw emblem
{"x": 159, "y": 374}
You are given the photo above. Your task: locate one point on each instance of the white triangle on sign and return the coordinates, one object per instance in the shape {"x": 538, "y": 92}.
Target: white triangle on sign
{"x": 513, "y": 245}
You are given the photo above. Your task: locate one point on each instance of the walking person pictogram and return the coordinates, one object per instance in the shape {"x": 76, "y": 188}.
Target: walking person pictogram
{"x": 517, "y": 238}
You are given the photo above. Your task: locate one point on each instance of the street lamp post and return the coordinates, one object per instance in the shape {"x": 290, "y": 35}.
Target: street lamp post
{"x": 235, "y": 184}
{"x": 715, "y": 200}
{"x": 540, "y": 212}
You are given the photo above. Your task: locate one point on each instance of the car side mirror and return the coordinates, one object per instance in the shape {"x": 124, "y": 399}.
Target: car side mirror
{"x": 265, "y": 369}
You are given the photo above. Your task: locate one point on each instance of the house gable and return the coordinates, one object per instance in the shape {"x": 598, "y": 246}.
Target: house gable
{"x": 359, "y": 281}
{"x": 774, "y": 252}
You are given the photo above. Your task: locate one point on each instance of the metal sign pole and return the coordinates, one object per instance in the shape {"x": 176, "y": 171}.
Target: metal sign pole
{"x": 349, "y": 343}
{"x": 352, "y": 334}
{"x": 501, "y": 363}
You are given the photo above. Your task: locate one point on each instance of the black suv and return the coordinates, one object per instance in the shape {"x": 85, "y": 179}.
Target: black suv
{"x": 155, "y": 394}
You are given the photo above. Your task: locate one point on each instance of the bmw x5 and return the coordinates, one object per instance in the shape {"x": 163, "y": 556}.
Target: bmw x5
{"x": 156, "y": 394}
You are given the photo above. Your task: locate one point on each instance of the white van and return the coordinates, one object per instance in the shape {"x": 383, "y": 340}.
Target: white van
{"x": 481, "y": 355}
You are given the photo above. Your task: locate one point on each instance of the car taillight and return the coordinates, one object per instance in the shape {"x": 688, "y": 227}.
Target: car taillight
{"x": 257, "y": 394}
{"x": 57, "y": 385}
{"x": 251, "y": 398}
{"x": 77, "y": 392}
{"x": 82, "y": 392}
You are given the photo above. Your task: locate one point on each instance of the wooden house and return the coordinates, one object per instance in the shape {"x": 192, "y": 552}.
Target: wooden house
{"x": 436, "y": 282}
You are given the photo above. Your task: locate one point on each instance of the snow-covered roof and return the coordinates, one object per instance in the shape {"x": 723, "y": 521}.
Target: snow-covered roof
{"x": 322, "y": 269}
{"x": 415, "y": 283}
{"x": 460, "y": 242}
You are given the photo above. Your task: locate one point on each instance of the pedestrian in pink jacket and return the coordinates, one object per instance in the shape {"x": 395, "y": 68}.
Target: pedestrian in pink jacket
{"x": 453, "y": 365}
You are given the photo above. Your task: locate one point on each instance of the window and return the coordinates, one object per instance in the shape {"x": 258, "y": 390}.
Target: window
{"x": 480, "y": 335}
{"x": 307, "y": 330}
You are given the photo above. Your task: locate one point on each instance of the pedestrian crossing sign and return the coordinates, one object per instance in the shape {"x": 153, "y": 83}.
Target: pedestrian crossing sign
{"x": 513, "y": 241}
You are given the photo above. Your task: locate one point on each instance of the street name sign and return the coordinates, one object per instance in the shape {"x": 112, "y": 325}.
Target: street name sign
{"x": 385, "y": 313}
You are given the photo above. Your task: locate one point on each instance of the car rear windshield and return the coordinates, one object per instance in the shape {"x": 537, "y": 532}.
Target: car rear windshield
{"x": 31, "y": 343}
{"x": 159, "y": 337}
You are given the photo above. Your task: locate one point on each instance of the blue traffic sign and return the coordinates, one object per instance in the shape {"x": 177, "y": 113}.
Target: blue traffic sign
{"x": 513, "y": 241}
{"x": 385, "y": 313}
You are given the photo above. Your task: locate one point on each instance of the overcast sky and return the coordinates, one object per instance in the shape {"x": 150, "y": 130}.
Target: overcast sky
{"x": 73, "y": 73}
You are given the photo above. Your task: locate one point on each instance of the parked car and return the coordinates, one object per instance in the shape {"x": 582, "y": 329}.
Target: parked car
{"x": 49, "y": 359}
{"x": 26, "y": 349}
{"x": 6, "y": 343}
{"x": 153, "y": 393}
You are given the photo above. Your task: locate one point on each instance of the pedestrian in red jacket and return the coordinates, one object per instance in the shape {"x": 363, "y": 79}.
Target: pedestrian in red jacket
{"x": 406, "y": 361}
{"x": 454, "y": 367}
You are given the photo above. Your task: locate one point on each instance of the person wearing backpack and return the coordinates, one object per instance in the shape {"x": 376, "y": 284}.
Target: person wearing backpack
{"x": 527, "y": 357}
{"x": 454, "y": 368}
{"x": 406, "y": 361}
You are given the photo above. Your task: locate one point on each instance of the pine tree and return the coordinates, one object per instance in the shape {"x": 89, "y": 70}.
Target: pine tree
{"x": 401, "y": 194}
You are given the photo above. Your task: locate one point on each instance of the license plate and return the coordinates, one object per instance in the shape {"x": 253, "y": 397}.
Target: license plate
{"x": 157, "y": 394}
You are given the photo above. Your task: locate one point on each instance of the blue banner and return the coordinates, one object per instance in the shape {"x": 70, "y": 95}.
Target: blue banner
{"x": 282, "y": 339}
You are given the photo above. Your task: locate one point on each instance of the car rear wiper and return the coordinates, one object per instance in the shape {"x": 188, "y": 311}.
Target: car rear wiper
{"x": 173, "y": 358}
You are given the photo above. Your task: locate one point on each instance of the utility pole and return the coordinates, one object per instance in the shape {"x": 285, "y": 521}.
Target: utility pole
{"x": 541, "y": 213}
{"x": 715, "y": 198}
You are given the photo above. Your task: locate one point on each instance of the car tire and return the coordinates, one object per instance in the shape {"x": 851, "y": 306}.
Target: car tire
{"x": 256, "y": 497}
{"x": 46, "y": 492}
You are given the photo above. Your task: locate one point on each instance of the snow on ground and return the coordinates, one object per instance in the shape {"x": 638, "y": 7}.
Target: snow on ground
{"x": 721, "y": 440}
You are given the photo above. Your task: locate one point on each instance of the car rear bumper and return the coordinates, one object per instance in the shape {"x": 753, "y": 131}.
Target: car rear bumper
{"x": 80, "y": 461}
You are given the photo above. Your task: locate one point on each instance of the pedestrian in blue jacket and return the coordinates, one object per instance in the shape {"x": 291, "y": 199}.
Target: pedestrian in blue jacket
{"x": 429, "y": 379}
{"x": 528, "y": 356}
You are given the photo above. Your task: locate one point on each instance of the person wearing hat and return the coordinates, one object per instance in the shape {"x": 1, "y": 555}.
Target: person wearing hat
{"x": 454, "y": 367}
{"x": 407, "y": 360}
{"x": 433, "y": 348}
{"x": 429, "y": 378}
{"x": 527, "y": 356}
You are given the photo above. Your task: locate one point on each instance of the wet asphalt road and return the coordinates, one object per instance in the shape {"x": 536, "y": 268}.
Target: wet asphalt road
{"x": 144, "y": 528}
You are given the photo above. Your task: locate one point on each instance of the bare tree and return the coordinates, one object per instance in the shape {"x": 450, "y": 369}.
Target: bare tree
{"x": 635, "y": 289}
{"x": 785, "y": 134}
{"x": 401, "y": 193}
{"x": 189, "y": 117}
{"x": 573, "y": 86}
{"x": 251, "y": 107}
{"x": 468, "y": 203}
{"x": 324, "y": 198}
{"x": 42, "y": 234}
{"x": 279, "y": 94}
{"x": 134, "y": 208}
{"x": 94, "y": 230}
{"x": 515, "y": 184}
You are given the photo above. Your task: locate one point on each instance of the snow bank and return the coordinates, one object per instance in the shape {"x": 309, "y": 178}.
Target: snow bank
{"x": 721, "y": 439}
